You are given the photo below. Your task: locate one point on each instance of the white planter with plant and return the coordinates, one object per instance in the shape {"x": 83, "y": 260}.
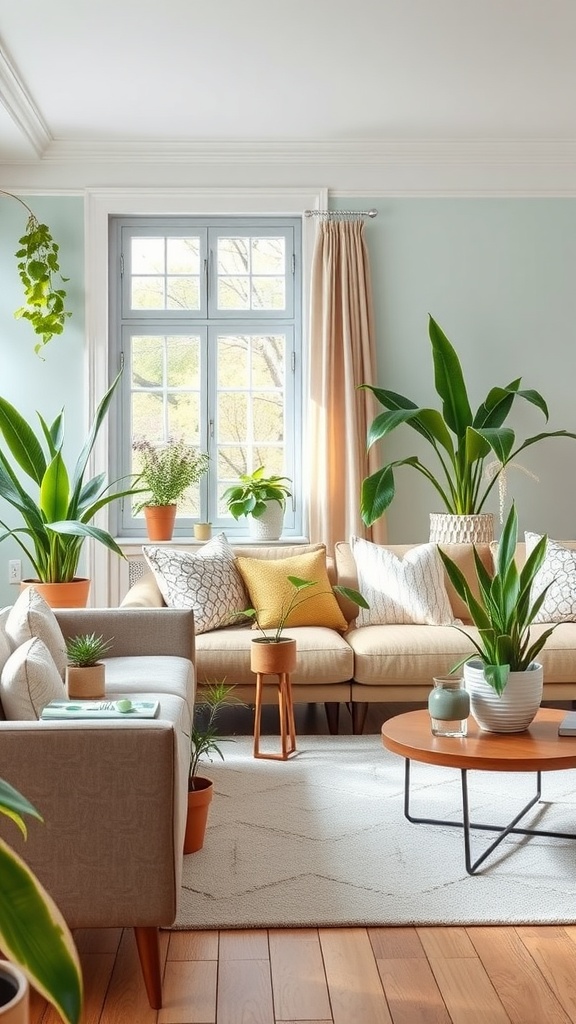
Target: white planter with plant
{"x": 461, "y": 440}
{"x": 262, "y": 499}
{"x": 165, "y": 472}
{"x": 503, "y": 616}
{"x": 85, "y": 673}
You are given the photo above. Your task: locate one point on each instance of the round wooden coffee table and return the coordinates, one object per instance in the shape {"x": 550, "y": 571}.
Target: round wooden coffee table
{"x": 538, "y": 749}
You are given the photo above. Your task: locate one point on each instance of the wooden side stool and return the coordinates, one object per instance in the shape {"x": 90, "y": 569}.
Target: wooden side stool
{"x": 275, "y": 659}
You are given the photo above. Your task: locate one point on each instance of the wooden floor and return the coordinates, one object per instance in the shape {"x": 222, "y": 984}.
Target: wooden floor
{"x": 480, "y": 975}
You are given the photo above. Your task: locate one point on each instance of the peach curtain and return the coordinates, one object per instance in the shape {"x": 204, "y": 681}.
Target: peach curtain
{"x": 342, "y": 356}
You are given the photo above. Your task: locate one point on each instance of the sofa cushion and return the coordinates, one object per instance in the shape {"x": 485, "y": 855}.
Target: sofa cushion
{"x": 558, "y": 573}
{"x": 29, "y": 681}
{"x": 207, "y": 581}
{"x": 145, "y": 674}
{"x": 270, "y": 591}
{"x": 407, "y": 655}
{"x": 401, "y": 590}
{"x": 322, "y": 656}
{"x": 31, "y": 616}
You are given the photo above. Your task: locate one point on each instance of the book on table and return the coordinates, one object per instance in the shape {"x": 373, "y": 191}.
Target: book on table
{"x": 101, "y": 709}
{"x": 567, "y": 726}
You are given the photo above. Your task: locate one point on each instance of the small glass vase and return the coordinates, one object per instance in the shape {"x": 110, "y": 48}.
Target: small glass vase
{"x": 449, "y": 707}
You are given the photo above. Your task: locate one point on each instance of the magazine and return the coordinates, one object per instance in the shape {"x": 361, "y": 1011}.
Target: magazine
{"x": 121, "y": 708}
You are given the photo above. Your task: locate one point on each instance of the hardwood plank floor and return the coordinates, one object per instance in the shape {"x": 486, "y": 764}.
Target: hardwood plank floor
{"x": 480, "y": 975}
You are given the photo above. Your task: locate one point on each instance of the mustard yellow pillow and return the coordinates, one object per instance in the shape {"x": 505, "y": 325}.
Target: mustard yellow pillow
{"x": 270, "y": 590}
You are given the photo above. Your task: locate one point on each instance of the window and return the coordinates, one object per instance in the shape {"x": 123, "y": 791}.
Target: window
{"x": 206, "y": 320}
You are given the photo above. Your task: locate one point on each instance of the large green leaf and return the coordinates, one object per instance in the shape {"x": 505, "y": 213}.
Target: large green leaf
{"x": 55, "y": 490}
{"x": 22, "y": 442}
{"x": 449, "y": 381}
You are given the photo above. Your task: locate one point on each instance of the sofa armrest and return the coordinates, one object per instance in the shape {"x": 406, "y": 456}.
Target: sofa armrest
{"x": 152, "y": 631}
{"x": 113, "y": 798}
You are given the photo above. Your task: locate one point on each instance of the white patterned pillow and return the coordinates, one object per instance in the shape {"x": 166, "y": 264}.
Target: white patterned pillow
{"x": 559, "y": 570}
{"x": 404, "y": 590}
{"x": 207, "y": 581}
{"x": 31, "y": 616}
{"x": 29, "y": 681}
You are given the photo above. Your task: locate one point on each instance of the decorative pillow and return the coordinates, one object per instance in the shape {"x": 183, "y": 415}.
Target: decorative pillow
{"x": 270, "y": 590}
{"x": 559, "y": 570}
{"x": 29, "y": 681}
{"x": 206, "y": 580}
{"x": 401, "y": 590}
{"x": 31, "y": 616}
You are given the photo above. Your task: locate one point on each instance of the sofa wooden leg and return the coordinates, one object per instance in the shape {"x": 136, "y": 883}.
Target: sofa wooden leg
{"x": 148, "y": 943}
{"x": 359, "y": 712}
{"x": 332, "y": 708}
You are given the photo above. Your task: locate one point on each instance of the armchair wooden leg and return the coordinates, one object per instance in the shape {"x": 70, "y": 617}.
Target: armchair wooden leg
{"x": 148, "y": 943}
{"x": 332, "y": 708}
{"x": 359, "y": 712}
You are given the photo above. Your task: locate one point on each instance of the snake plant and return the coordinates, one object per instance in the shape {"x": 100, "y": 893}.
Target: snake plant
{"x": 461, "y": 440}
{"x": 56, "y": 516}
{"x": 33, "y": 933}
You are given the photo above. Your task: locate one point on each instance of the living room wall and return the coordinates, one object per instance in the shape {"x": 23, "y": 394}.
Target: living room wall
{"x": 498, "y": 274}
{"x": 57, "y": 379}
{"x": 499, "y": 277}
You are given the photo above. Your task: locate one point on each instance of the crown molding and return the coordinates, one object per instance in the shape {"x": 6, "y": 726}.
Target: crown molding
{"x": 21, "y": 108}
{"x": 393, "y": 151}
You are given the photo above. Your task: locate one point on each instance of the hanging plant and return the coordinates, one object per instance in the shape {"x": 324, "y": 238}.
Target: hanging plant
{"x": 38, "y": 262}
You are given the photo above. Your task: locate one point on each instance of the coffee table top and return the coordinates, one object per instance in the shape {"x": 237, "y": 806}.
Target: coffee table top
{"x": 539, "y": 748}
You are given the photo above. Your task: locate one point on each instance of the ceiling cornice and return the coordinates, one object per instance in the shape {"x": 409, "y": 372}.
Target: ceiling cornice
{"x": 395, "y": 151}
{"x": 21, "y": 108}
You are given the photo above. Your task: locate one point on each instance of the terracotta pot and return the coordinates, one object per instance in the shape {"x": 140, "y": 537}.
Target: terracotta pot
{"x": 62, "y": 595}
{"x": 199, "y": 800}
{"x": 450, "y": 529}
{"x": 160, "y": 521}
{"x": 272, "y": 657}
{"x": 515, "y": 709}
{"x": 202, "y": 531}
{"x": 14, "y": 995}
{"x": 87, "y": 683}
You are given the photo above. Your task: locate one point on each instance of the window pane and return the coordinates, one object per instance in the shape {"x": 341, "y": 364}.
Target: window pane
{"x": 232, "y": 416}
{"x": 147, "y": 361}
{"x": 268, "y": 256}
{"x": 147, "y": 417}
{"x": 268, "y": 293}
{"x": 233, "y": 255}
{"x": 183, "y": 416}
{"x": 183, "y": 293}
{"x": 268, "y": 413}
{"x": 147, "y": 293}
{"x": 233, "y": 293}
{"x": 183, "y": 362}
{"x": 267, "y": 360}
{"x": 232, "y": 369}
{"x": 148, "y": 255}
{"x": 183, "y": 256}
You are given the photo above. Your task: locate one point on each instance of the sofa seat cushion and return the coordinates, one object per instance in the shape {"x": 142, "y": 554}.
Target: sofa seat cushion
{"x": 558, "y": 656}
{"x": 411, "y": 655}
{"x": 323, "y": 656}
{"x": 146, "y": 674}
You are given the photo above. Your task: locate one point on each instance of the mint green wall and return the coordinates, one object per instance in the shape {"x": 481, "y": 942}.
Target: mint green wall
{"x": 499, "y": 276}
{"x": 57, "y": 380}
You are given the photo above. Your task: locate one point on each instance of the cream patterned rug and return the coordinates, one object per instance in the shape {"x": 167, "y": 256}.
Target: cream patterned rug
{"x": 321, "y": 840}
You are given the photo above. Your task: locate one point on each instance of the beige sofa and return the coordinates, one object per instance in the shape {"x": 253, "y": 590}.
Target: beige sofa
{"x": 113, "y": 794}
{"x": 376, "y": 663}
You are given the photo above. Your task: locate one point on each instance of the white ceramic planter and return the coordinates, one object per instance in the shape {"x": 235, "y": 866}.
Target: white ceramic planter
{"x": 14, "y": 995}
{"x": 449, "y": 529}
{"x": 269, "y": 525}
{"x": 515, "y": 709}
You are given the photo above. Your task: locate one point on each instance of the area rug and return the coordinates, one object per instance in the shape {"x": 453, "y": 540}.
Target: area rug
{"x": 321, "y": 840}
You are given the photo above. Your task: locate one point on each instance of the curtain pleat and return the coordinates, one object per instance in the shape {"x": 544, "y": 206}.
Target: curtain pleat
{"x": 342, "y": 356}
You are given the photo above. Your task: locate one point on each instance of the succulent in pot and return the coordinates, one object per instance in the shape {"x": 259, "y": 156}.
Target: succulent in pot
{"x": 461, "y": 439}
{"x": 85, "y": 672}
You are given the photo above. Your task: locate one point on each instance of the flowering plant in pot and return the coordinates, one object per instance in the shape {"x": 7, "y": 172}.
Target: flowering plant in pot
{"x": 56, "y": 514}
{"x": 461, "y": 440}
{"x": 166, "y": 471}
{"x": 204, "y": 741}
{"x": 503, "y": 615}
{"x": 33, "y": 933}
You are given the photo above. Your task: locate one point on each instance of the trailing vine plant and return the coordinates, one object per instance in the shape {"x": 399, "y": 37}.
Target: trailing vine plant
{"x": 38, "y": 261}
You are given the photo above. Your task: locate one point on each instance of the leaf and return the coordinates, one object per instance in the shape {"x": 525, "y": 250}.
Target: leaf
{"x": 449, "y": 381}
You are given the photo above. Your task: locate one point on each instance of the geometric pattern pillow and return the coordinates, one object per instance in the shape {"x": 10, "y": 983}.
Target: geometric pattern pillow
{"x": 29, "y": 681}
{"x": 271, "y": 591}
{"x": 401, "y": 591}
{"x": 559, "y": 570}
{"x": 207, "y": 581}
{"x": 32, "y": 616}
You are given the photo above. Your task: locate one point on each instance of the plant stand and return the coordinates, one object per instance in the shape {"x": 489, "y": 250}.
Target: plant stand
{"x": 286, "y": 713}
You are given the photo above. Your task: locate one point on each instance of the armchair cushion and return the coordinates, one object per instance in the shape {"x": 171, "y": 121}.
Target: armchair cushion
{"x": 29, "y": 681}
{"x": 31, "y": 616}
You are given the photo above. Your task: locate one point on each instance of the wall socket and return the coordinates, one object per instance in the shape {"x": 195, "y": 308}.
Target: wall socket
{"x": 14, "y": 570}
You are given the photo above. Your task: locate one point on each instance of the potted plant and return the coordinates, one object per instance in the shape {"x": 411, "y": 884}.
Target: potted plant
{"x": 56, "y": 515}
{"x": 505, "y": 681}
{"x": 85, "y": 673}
{"x": 166, "y": 471}
{"x": 461, "y": 441}
{"x": 204, "y": 742}
{"x": 33, "y": 933}
{"x": 262, "y": 499}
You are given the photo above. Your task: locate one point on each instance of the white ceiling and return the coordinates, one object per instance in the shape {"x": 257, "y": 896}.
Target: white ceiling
{"x": 121, "y": 72}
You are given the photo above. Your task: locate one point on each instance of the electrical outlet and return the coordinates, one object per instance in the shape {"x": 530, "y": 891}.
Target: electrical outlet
{"x": 14, "y": 570}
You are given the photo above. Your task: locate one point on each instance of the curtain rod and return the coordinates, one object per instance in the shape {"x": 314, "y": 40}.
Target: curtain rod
{"x": 341, "y": 213}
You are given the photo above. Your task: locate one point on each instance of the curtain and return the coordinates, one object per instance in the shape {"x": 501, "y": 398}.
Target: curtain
{"x": 342, "y": 356}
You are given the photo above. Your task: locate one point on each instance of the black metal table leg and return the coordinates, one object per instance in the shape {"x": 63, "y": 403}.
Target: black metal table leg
{"x": 467, "y": 825}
